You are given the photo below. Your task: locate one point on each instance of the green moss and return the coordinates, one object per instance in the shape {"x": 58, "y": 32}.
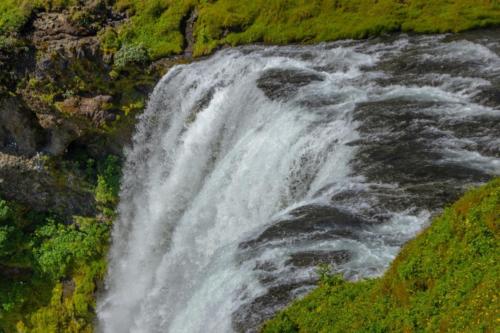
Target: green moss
{"x": 109, "y": 40}
{"x": 82, "y": 250}
{"x": 158, "y": 24}
{"x": 444, "y": 280}
{"x": 13, "y": 15}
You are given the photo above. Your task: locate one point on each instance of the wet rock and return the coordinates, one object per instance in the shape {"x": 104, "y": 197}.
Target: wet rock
{"x": 314, "y": 221}
{"x": 188, "y": 28}
{"x": 413, "y": 65}
{"x": 315, "y": 258}
{"x": 20, "y": 132}
{"x": 407, "y": 150}
{"x": 68, "y": 288}
{"x": 30, "y": 182}
{"x": 284, "y": 83}
{"x": 489, "y": 97}
{"x": 249, "y": 317}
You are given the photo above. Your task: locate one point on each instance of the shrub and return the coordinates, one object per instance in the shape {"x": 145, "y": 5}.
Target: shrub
{"x": 108, "y": 185}
{"x": 130, "y": 54}
{"x": 5, "y": 211}
{"x": 53, "y": 268}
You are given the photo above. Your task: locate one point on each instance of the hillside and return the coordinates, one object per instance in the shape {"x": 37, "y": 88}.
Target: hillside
{"x": 445, "y": 280}
{"x": 162, "y": 27}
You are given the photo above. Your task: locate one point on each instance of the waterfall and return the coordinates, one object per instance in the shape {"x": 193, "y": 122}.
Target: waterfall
{"x": 252, "y": 167}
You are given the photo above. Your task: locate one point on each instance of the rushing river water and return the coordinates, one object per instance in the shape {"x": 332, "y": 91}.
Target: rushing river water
{"x": 252, "y": 167}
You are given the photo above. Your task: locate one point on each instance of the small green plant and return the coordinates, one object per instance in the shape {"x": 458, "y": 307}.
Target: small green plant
{"x": 327, "y": 277}
{"x": 108, "y": 184}
{"x": 130, "y": 54}
{"x": 4, "y": 211}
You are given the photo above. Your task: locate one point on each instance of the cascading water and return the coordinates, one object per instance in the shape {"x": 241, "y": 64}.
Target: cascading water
{"x": 251, "y": 168}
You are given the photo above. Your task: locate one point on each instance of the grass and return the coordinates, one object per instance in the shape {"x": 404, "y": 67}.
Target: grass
{"x": 285, "y": 21}
{"x": 157, "y": 25}
{"x": 445, "y": 280}
{"x": 14, "y": 14}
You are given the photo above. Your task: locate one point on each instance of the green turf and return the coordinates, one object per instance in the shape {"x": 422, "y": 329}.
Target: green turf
{"x": 158, "y": 24}
{"x": 445, "y": 280}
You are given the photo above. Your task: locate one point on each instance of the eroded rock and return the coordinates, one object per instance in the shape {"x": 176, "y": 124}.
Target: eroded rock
{"x": 95, "y": 109}
{"x": 30, "y": 182}
{"x": 20, "y": 132}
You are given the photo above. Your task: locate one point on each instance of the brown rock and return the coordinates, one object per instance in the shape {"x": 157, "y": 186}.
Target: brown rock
{"x": 94, "y": 109}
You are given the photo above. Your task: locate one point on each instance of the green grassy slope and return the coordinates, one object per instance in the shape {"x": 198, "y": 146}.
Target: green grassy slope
{"x": 285, "y": 21}
{"x": 445, "y": 280}
{"x": 158, "y": 24}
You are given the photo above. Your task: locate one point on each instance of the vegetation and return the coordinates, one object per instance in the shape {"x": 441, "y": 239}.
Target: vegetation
{"x": 130, "y": 54}
{"x": 13, "y": 15}
{"x": 108, "y": 185}
{"x": 49, "y": 269}
{"x": 445, "y": 280}
{"x": 285, "y": 21}
{"x": 158, "y": 24}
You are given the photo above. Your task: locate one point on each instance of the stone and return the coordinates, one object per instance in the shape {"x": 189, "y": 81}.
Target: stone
{"x": 31, "y": 182}
{"x": 20, "y": 132}
{"x": 95, "y": 109}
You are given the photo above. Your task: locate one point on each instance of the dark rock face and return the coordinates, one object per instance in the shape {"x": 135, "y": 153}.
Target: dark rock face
{"x": 267, "y": 305}
{"x": 325, "y": 221}
{"x": 29, "y": 181}
{"x": 316, "y": 258}
{"x": 409, "y": 149}
{"x": 20, "y": 132}
{"x": 283, "y": 84}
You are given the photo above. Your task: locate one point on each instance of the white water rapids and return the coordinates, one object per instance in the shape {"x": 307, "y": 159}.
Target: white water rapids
{"x": 250, "y": 168}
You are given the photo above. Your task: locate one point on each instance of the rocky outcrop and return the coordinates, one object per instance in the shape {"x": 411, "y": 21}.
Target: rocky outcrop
{"x": 20, "y": 132}
{"x": 188, "y": 29}
{"x": 33, "y": 182}
{"x": 94, "y": 109}
{"x": 61, "y": 95}
{"x": 46, "y": 105}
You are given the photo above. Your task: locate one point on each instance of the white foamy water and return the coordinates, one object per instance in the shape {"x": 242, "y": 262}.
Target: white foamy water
{"x": 253, "y": 166}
